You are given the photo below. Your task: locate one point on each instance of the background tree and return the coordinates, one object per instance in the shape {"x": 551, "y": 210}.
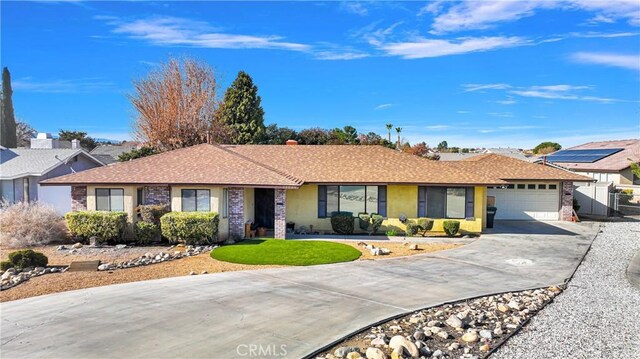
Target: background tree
{"x": 420, "y": 149}
{"x": 242, "y": 112}
{"x": 389, "y": 128}
{"x": 313, "y": 136}
{"x": 546, "y": 148}
{"x": 176, "y": 106}
{"x": 350, "y": 135}
{"x": 275, "y": 135}
{"x": 24, "y": 134}
{"x": 371, "y": 138}
{"x": 398, "y": 130}
{"x": 85, "y": 141}
{"x": 143, "y": 151}
{"x": 443, "y": 146}
{"x": 8, "y": 136}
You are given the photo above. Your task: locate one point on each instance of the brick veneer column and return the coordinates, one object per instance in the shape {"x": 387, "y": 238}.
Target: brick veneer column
{"x": 157, "y": 195}
{"x": 78, "y": 198}
{"x": 566, "y": 212}
{"x": 236, "y": 213}
{"x": 280, "y": 216}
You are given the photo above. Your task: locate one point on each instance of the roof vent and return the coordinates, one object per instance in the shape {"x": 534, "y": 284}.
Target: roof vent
{"x": 292, "y": 143}
{"x": 43, "y": 135}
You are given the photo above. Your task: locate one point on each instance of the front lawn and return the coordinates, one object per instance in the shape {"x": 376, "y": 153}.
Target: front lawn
{"x": 281, "y": 252}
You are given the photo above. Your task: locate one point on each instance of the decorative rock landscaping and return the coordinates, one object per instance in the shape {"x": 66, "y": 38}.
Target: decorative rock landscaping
{"x": 466, "y": 329}
{"x": 12, "y": 277}
{"x": 152, "y": 258}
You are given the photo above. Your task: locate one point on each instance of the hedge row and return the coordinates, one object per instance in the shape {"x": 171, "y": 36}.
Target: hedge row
{"x": 188, "y": 227}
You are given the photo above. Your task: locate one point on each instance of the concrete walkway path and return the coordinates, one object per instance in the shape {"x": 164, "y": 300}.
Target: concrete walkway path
{"x": 289, "y": 312}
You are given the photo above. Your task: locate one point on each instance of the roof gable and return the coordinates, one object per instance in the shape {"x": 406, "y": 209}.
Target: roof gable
{"x": 21, "y": 162}
{"x": 200, "y": 164}
{"x": 509, "y": 168}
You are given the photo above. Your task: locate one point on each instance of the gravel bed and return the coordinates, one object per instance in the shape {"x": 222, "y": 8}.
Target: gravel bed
{"x": 598, "y": 315}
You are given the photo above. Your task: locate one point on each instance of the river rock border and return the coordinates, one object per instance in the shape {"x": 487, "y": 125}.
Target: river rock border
{"x": 153, "y": 258}
{"x": 469, "y": 329}
{"x": 12, "y": 277}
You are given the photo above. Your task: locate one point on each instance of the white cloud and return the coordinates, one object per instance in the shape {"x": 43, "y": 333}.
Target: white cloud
{"x": 173, "y": 31}
{"x": 354, "y": 7}
{"x": 437, "y": 127}
{"x": 424, "y": 48}
{"x": 330, "y": 55}
{"x": 501, "y": 114}
{"x": 631, "y": 62}
{"x": 463, "y": 112}
{"x": 479, "y": 87}
{"x": 561, "y": 95}
{"x": 383, "y": 106}
{"x": 560, "y": 88}
{"x": 507, "y": 101}
{"x": 83, "y": 85}
{"x": 474, "y": 15}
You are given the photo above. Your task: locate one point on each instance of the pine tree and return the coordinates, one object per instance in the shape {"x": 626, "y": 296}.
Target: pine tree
{"x": 242, "y": 112}
{"x": 8, "y": 137}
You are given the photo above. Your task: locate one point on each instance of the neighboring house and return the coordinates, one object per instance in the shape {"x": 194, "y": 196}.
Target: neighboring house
{"x": 275, "y": 184}
{"x": 508, "y": 152}
{"x": 22, "y": 170}
{"x": 108, "y": 154}
{"x": 608, "y": 163}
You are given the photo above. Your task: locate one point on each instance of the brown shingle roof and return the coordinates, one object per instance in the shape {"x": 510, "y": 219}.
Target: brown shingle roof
{"x": 357, "y": 164}
{"x": 283, "y": 166}
{"x": 509, "y": 168}
{"x": 201, "y": 164}
{"x": 616, "y": 162}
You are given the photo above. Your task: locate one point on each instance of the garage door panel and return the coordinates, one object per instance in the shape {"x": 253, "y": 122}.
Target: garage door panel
{"x": 526, "y": 204}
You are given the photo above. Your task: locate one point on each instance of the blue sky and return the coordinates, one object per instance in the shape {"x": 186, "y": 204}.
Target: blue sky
{"x": 473, "y": 73}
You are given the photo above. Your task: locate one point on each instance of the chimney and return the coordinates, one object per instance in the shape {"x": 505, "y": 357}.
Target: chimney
{"x": 75, "y": 144}
{"x": 292, "y": 143}
{"x": 44, "y": 141}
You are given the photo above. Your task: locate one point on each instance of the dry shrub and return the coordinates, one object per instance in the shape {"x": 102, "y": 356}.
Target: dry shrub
{"x": 25, "y": 224}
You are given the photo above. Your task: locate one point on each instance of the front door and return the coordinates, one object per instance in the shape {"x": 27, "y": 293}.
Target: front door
{"x": 264, "y": 207}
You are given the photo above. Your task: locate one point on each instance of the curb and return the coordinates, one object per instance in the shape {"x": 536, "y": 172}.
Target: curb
{"x": 633, "y": 270}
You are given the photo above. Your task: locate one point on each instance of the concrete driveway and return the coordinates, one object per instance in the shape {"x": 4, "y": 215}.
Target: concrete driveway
{"x": 289, "y": 312}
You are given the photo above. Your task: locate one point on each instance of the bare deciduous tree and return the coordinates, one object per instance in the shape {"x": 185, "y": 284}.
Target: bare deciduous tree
{"x": 176, "y": 105}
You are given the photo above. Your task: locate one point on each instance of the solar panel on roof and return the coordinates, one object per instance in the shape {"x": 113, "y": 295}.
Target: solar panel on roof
{"x": 582, "y": 156}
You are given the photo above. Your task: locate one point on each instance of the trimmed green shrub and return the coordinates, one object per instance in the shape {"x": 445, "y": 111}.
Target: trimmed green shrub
{"x": 376, "y": 222}
{"x": 151, "y": 213}
{"x": 24, "y": 259}
{"x": 412, "y": 228}
{"x": 106, "y": 226}
{"x": 193, "y": 228}
{"x": 364, "y": 221}
{"x": 451, "y": 227}
{"x": 391, "y": 233}
{"x": 146, "y": 232}
{"x": 342, "y": 222}
{"x": 424, "y": 225}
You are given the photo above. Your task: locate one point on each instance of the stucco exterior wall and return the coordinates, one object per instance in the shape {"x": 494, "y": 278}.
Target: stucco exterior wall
{"x": 249, "y": 205}
{"x": 302, "y": 209}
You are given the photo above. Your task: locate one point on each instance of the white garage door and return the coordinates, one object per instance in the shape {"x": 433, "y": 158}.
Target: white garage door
{"x": 527, "y": 201}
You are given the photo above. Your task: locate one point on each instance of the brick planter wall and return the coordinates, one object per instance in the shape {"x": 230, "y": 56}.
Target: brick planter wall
{"x": 236, "y": 213}
{"x": 157, "y": 195}
{"x": 566, "y": 212}
{"x": 78, "y": 198}
{"x": 280, "y": 220}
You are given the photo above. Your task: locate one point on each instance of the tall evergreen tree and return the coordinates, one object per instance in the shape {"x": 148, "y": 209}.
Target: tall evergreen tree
{"x": 8, "y": 137}
{"x": 242, "y": 112}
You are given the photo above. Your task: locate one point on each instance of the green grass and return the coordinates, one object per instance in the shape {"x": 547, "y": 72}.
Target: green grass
{"x": 281, "y": 252}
